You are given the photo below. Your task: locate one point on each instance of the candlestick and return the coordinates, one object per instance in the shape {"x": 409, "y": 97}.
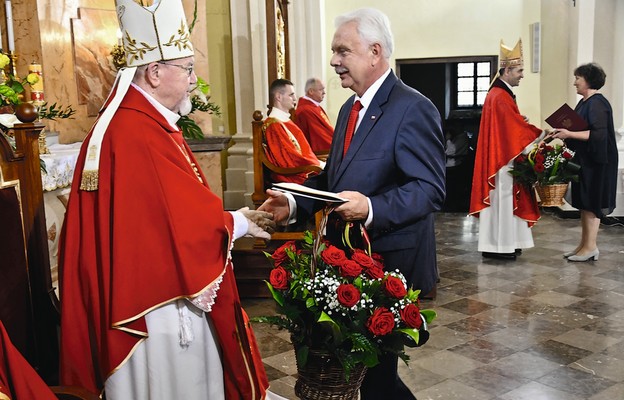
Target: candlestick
{"x": 9, "y": 18}
{"x": 13, "y": 65}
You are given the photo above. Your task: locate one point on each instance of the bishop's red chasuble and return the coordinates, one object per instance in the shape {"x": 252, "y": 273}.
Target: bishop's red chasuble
{"x": 151, "y": 234}
{"x": 314, "y": 124}
{"x": 503, "y": 135}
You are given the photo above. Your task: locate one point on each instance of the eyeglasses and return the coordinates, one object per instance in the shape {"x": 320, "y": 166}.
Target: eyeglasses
{"x": 189, "y": 70}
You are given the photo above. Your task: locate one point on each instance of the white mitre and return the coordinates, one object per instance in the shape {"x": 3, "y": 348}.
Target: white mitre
{"x": 150, "y": 34}
{"x": 155, "y": 33}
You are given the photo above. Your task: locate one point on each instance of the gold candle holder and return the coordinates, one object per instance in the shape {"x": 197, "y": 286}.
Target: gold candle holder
{"x": 13, "y": 63}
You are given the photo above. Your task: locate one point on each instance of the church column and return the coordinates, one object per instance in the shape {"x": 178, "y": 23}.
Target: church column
{"x": 250, "y": 88}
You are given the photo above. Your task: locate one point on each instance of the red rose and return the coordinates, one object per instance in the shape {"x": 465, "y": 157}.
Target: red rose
{"x": 377, "y": 257}
{"x": 548, "y": 148}
{"x": 538, "y": 167}
{"x": 279, "y": 256}
{"x": 521, "y": 158}
{"x": 279, "y": 278}
{"x": 381, "y": 322}
{"x": 360, "y": 257}
{"x": 394, "y": 287}
{"x": 374, "y": 273}
{"x": 539, "y": 158}
{"x": 332, "y": 255}
{"x": 350, "y": 269}
{"x": 411, "y": 316}
{"x": 348, "y": 295}
{"x": 567, "y": 155}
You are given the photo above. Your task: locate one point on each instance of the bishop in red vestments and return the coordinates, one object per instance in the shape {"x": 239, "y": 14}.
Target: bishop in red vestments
{"x": 506, "y": 209}
{"x": 150, "y": 308}
{"x": 312, "y": 119}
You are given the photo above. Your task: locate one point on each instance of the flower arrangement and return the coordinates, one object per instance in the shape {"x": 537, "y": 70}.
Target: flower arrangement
{"x": 546, "y": 164}
{"x": 12, "y": 91}
{"x": 11, "y": 87}
{"x": 343, "y": 303}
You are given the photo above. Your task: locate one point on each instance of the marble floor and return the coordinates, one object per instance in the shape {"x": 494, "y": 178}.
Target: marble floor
{"x": 536, "y": 328}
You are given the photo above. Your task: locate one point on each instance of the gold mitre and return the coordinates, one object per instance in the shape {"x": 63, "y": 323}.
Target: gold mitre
{"x": 510, "y": 57}
{"x": 153, "y": 33}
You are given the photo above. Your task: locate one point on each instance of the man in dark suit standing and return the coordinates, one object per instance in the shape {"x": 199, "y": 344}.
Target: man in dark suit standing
{"x": 391, "y": 170}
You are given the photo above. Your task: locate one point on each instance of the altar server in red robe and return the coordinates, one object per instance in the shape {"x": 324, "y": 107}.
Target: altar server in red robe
{"x": 506, "y": 209}
{"x": 311, "y": 117}
{"x": 286, "y": 145}
{"x": 150, "y": 308}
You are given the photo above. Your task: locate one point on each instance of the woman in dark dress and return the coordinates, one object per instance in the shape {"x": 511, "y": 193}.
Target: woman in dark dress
{"x": 596, "y": 152}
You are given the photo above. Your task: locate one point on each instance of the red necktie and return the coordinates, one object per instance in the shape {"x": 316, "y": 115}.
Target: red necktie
{"x": 353, "y": 117}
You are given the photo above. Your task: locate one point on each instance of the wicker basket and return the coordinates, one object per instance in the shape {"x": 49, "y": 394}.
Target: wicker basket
{"x": 551, "y": 195}
{"x": 323, "y": 378}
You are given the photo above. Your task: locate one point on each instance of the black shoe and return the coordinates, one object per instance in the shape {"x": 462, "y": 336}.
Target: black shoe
{"x": 499, "y": 256}
{"x": 518, "y": 252}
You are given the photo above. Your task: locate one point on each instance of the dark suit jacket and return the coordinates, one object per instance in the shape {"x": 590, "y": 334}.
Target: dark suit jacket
{"x": 397, "y": 159}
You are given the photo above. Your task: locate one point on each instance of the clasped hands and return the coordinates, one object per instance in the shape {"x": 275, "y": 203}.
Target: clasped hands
{"x": 261, "y": 223}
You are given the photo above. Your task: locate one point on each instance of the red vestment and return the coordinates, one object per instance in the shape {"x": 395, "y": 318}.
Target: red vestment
{"x": 503, "y": 135}
{"x": 287, "y": 147}
{"x": 18, "y": 379}
{"x": 152, "y": 233}
{"x": 314, "y": 124}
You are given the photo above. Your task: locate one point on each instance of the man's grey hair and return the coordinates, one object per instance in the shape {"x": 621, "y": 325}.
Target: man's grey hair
{"x": 311, "y": 84}
{"x": 373, "y": 27}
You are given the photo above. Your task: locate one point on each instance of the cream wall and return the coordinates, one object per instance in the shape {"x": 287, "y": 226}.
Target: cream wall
{"x": 423, "y": 29}
{"x": 220, "y": 64}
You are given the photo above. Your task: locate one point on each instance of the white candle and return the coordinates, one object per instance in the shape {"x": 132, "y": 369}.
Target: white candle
{"x": 9, "y": 18}
{"x": 119, "y": 41}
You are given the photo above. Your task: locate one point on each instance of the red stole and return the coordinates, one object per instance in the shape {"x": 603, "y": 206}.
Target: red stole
{"x": 503, "y": 135}
{"x": 151, "y": 233}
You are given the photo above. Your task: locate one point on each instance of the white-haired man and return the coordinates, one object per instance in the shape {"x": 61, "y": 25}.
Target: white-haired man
{"x": 389, "y": 164}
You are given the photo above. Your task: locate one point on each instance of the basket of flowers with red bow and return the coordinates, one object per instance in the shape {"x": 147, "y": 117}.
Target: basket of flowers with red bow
{"x": 343, "y": 310}
{"x": 548, "y": 167}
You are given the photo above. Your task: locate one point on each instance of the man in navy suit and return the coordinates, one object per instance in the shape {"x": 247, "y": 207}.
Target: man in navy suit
{"x": 392, "y": 172}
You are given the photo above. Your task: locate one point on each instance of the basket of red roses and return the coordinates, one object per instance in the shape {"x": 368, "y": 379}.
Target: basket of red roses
{"x": 343, "y": 310}
{"x": 549, "y": 168}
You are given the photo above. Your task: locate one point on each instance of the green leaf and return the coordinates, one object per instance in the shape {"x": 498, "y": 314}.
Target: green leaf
{"x": 413, "y": 333}
{"x": 277, "y": 295}
{"x": 429, "y": 315}
{"x": 310, "y": 302}
{"x": 190, "y": 129}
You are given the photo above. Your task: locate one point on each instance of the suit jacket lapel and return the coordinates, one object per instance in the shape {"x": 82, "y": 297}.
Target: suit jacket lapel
{"x": 369, "y": 120}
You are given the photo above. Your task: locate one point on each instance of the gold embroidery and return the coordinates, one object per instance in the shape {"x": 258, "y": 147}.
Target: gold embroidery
{"x": 183, "y": 41}
{"x": 134, "y": 50}
{"x": 89, "y": 180}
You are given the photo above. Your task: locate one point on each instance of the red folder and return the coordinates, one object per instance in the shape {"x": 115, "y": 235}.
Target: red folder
{"x": 566, "y": 117}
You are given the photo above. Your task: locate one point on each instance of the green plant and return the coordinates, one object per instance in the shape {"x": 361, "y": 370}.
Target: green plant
{"x": 52, "y": 112}
{"x": 343, "y": 303}
{"x": 199, "y": 102}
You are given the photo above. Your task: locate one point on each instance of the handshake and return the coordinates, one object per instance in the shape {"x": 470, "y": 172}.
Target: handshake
{"x": 261, "y": 223}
